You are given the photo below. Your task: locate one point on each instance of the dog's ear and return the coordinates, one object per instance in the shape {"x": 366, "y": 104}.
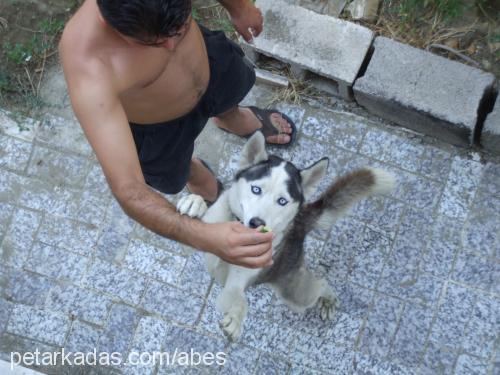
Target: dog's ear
{"x": 312, "y": 175}
{"x": 254, "y": 151}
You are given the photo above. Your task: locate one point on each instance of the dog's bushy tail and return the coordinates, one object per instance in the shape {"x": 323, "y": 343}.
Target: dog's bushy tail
{"x": 342, "y": 194}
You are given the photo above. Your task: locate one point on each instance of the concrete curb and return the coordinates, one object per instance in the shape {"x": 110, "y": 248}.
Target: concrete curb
{"x": 414, "y": 88}
{"x": 313, "y": 44}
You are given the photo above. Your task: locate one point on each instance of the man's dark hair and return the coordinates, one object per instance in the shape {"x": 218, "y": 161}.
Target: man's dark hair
{"x": 145, "y": 20}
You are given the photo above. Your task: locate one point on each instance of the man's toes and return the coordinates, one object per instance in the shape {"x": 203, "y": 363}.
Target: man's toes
{"x": 278, "y": 138}
{"x": 281, "y": 123}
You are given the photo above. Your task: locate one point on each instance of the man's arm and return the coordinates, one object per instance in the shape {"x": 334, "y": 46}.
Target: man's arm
{"x": 245, "y": 16}
{"x": 103, "y": 119}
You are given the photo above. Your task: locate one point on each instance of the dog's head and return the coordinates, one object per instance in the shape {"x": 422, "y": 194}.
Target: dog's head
{"x": 269, "y": 190}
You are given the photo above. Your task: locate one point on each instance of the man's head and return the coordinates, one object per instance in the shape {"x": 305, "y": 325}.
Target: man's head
{"x": 147, "y": 21}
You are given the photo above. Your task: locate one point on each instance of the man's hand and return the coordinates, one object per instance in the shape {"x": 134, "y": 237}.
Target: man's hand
{"x": 237, "y": 244}
{"x": 246, "y": 18}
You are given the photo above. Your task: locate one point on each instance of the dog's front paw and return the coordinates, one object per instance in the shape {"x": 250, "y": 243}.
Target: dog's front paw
{"x": 231, "y": 326}
{"x": 327, "y": 308}
{"x": 192, "y": 205}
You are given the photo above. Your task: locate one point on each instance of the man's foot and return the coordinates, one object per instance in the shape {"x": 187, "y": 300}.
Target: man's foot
{"x": 244, "y": 121}
{"x": 202, "y": 181}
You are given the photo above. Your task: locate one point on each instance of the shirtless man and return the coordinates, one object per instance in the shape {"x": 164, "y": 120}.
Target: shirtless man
{"x": 143, "y": 78}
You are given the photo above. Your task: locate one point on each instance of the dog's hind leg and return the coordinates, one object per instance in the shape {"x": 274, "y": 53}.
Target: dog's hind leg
{"x": 301, "y": 290}
{"x": 232, "y": 302}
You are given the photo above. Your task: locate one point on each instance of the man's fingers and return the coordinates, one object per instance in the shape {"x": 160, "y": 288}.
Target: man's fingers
{"x": 247, "y": 35}
{"x": 252, "y": 251}
{"x": 257, "y": 262}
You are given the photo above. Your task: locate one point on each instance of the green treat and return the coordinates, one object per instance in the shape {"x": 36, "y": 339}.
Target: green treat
{"x": 265, "y": 229}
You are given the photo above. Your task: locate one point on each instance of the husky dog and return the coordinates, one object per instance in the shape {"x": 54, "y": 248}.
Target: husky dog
{"x": 272, "y": 192}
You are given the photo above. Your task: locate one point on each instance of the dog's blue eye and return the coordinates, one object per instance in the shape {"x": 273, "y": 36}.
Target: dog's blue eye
{"x": 256, "y": 190}
{"x": 282, "y": 202}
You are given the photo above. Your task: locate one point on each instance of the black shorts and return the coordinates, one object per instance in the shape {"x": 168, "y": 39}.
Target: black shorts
{"x": 165, "y": 149}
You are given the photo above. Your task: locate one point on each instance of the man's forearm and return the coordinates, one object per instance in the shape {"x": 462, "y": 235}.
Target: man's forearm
{"x": 154, "y": 212}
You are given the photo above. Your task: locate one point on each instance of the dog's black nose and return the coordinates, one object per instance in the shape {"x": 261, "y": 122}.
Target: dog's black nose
{"x": 256, "y": 222}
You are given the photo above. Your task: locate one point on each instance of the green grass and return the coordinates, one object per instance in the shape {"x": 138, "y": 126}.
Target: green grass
{"x": 448, "y": 9}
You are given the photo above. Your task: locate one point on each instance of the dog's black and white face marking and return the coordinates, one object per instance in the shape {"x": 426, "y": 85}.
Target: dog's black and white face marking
{"x": 269, "y": 189}
{"x": 270, "y": 193}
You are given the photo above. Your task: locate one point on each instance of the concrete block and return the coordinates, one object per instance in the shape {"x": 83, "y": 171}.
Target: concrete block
{"x": 324, "y": 45}
{"x": 490, "y": 137}
{"x": 423, "y": 91}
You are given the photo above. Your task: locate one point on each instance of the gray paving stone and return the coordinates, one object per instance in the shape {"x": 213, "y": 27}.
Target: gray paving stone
{"x": 67, "y": 234}
{"x": 92, "y": 208}
{"x": 172, "y": 303}
{"x": 341, "y": 129}
{"x": 56, "y": 263}
{"x": 452, "y": 316}
{"x": 27, "y": 288}
{"x": 482, "y": 230}
{"x": 118, "y": 282}
{"x": 367, "y": 365}
{"x": 13, "y": 343}
{"x": 6, "y": 211}
{"x": 483, "y": 330}
{"x": 152, "y": 262}
{"x": 285, "y": 38}
{"x": 5, "y": 310}
{"x": 112, "y": 245}
{"x": 444, "y": 243}
{"x": 411, "y": 87}
{"x": 382, "y": 213}
{"x": 381, "y": 326}
{"x": 63, "y": 134}
{"x": 18, "y": 240}
{"x": 11, "y": 185}
{"x": 37, "y": 324}
{"x": 369, "y": 258}
{"x": 468, "y": 365}
{"x": 435, "y": 163}
{"x": 490, "y": 182}
{"x": 392, "y": 149}
{"x": 416, "y": 191}
{"x": 462, "y": 184}
{"x": 204, "y": 348}
{"x": 479, "y": 272}
{"x": 490, "y": 135}
{"x": 271, "y": 365}
{"x": 148, "y": 338}
{"x": 58, "y": 167}
{"x": 14, "y": 153}
{"x": 259, "y": 300}
{"x": 438, "y": 360}
{"x": 82, "y": 338}
{"x": 117, "y": 335}
{"x": 345, "y": 237}
{"x": 313, "y": 254}
{"x": 84, "y": 304}
{"x": 240, "y": 360}
{"x": 409, "y": 341}
{"x": 195, "y": 277}
{"x": 18, "y": 126}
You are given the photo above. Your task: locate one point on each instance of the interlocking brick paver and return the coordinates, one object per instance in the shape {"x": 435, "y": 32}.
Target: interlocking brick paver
{"x": 119, "y": 330}
{"x": 19, "y": 237}
{"x": 38, "y": 324}
{"x": 416, "y": 272}
{"x": 84, "y": 304}
{"x": 172, "y": 303}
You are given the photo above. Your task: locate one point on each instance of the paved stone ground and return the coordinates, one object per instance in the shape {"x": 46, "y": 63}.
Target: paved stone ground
{"x": 417, "y": 272}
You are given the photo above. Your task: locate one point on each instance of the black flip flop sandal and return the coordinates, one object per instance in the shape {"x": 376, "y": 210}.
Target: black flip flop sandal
{"x": 220, "y": 187}
{"x": 264, "y": 116}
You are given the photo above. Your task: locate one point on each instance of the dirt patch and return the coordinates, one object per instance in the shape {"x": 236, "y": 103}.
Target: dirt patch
{"x": 464, "y": 30}
{"x": 29, "y": 32}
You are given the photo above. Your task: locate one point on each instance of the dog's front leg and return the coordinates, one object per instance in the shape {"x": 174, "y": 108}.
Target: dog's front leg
{"x": 232, "y": 302}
